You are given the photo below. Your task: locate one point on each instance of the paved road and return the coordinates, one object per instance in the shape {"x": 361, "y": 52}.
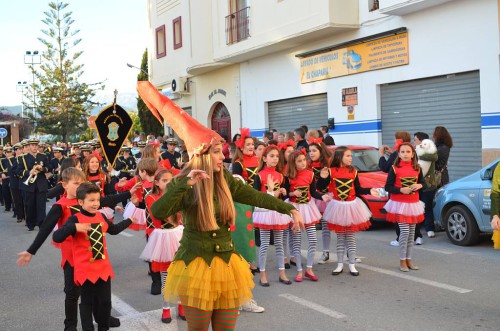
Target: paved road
{"x": 457, "y": 288}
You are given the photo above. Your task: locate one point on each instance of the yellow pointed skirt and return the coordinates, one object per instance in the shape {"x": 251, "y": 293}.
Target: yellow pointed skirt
{"x": 219, "y": 285}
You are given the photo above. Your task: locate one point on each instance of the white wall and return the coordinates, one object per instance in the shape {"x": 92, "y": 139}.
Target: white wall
{"x": 455, "y": 37}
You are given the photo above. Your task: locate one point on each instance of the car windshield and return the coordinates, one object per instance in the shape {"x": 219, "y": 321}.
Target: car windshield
{"x": 365, "y": 160}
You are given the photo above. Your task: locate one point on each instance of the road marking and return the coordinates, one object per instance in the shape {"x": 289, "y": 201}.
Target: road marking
{"x": 125, "y": 234}
{"x": 434, "y": 250}
{"x": 415, "y": 279}
{"x": 313, "y": 306}
{"x": 131, "y": 319}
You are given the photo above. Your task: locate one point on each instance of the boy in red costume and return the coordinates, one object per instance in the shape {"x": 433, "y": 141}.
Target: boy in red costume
{"x": 92, "y": 269}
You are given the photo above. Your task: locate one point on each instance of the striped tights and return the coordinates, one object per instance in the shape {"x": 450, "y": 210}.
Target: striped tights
{"x": 406, "y": 235}
{"x": 163, "y": 275}
{"x": 311, "y": 248}
{"x": 325, "y": 235}
{"x": 288, "y": 242}
{"x": 346, "y": 240}
{"x": 265, "y": 237}
{"x": 222, "y": 319}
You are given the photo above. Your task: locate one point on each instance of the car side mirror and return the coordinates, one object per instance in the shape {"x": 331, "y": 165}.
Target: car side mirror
{"x": 487, "y": 174}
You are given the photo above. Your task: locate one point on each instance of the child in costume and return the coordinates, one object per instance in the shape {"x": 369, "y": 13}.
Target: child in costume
{"x": 404, "y": 207}
{"x": 300, "y": 187}
{"x": 346, "y": 214}
{"x": 164, "y": 237}
{"x": 92, "y": 269}
{"x": 209, "y": 277}
{"x": 320, "y": 157}
{"x": 270, "y": 180}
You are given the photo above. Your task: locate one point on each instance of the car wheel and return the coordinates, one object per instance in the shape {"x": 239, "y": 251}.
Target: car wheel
{"x": 461, "y": 227}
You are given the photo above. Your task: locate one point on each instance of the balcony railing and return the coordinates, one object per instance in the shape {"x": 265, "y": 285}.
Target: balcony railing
{"x": 238, "y": 26}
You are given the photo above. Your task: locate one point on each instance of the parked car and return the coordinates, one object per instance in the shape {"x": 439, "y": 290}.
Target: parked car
{"x": 463, "y": 206}
{"x": 365, "y": 160}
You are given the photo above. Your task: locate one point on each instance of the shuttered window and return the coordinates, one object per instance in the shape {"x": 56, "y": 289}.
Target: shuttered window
{"x": 452, "y": 101}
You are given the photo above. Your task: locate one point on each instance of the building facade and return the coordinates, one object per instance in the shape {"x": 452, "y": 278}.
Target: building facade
{"x": 372, "y": 67}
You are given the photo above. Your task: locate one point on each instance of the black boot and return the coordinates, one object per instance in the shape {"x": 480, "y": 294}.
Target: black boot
{"x": 114, "y": 322}
{"x": 156, "y": 284}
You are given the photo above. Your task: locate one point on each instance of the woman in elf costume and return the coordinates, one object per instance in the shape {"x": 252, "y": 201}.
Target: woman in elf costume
{"x": 208, "y": 275}
{"x": 495, "y": 207}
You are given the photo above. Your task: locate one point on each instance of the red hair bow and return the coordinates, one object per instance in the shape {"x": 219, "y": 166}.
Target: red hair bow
{"x": 301, "y": 151}
{"x": 313, "y": 140}
{"x": 245, "y": 133}
{"x": 398, "y": 143}
{"x": 155, "y": 143}
{"x": 283, "y": 146}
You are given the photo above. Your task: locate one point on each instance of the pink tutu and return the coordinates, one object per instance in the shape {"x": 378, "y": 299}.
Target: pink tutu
{"x": 271, "y": 220}
{"x": 131, "y": 211}
{"x": 321, "y": 204}
{"x": 108, "y": 212}
{"x": 347, "y": 216}
{"x": 404, "y": 212}
{"x": 162, "y": 244}
{"x": 309, "y": 211}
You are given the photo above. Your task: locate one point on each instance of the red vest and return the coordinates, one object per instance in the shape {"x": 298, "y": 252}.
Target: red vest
{"x": 302, "y": 182}
{"x": 342, "y": 183}
{"x": 99, "y": 180}
{"x": 68, "y": 209}
{"x": 277, "y": 177}
{"x": 405, "y": 177}
{"x": 316, "y": 167}
{"x": 90, "y": 252}
{"x": 250, "y": 164}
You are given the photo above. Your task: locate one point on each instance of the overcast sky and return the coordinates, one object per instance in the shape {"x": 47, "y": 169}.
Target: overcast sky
{"x": 113, "y": 32}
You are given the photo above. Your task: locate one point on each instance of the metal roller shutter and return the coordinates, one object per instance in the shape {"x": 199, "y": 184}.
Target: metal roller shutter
{"x": 452, "y": 101}
{"x": 288, "y": 114}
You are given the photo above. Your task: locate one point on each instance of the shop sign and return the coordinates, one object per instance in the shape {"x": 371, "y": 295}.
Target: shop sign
{"x": 375, "y": 54}
{"x": 349, "y": 96}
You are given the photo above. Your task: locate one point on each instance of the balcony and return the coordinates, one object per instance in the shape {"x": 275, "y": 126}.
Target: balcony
{"x": 237, "y": 26}
{"x": 405, "y": 7}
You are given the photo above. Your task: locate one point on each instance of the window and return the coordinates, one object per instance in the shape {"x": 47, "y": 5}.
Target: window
{"x": 373, "y": 5}
{"x": 177, "y": 28}
{"x": 161, "y": 45}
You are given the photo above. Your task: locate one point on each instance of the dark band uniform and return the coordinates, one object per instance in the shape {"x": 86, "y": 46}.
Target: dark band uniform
{"x": 125, "y": 165}
{"x": 6, "y": 167}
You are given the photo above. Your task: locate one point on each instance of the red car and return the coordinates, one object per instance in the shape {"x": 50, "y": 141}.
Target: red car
{"x": 365, "y": 160}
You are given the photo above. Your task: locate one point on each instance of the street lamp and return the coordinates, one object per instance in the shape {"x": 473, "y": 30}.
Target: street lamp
{"x": 32, "y": 58}
{"x": 22, "y": 87}
{"x": 132, "y": 66}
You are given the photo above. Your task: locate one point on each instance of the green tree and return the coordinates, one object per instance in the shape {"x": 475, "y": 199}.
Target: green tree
{"x": 136, "y": 124}
{"x": 149, "y": 123}
{"x": 62, "y": 100}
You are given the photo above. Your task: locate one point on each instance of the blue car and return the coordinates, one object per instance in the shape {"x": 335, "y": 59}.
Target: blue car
{"x": 463, "y": 206}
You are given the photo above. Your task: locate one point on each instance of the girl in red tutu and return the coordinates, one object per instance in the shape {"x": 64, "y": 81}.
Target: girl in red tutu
{"x": 346, "y": 214}
{"x": 163, "y": 238}
{"x": 404, "y": 206}
{"x": 270, "y": 180}
{"x": 300, "y": 188}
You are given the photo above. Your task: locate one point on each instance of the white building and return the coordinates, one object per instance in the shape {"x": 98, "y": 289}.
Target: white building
{"x": 408, "y": 65}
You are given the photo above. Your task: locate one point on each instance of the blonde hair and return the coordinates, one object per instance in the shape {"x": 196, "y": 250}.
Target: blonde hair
{"x": 203, "y": 194}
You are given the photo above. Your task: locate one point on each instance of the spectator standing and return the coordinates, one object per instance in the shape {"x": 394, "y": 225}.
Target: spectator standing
{"x": 444, "y": 143}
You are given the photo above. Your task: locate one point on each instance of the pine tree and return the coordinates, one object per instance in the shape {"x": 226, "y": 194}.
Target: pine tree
{"x": 62, "y": 101}
{"x": 149, "y": 123}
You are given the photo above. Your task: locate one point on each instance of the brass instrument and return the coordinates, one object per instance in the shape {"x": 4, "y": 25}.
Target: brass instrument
{"x": 32, "y": 177}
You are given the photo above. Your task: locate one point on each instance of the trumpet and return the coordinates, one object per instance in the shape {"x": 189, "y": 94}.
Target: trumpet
{"x": 32, "y": 177}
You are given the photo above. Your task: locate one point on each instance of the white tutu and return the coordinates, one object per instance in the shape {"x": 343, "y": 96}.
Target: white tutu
{"x": 405, "y": 212}
{"x": 309, "y": 211}
{"x": 353, "y": 215}
{"x": 271, "y": 220}
{"x": 162, "y": 244}
{"x": 132, "y": 211}
{"x": 321, "y": 204}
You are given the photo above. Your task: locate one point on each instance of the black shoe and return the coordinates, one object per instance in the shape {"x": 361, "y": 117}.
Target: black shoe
{"x": 354, "y": 273}
{"x": 293, "y": 263}
{"x": 19, "y": 220}
{"x": 286, "y": 282}
{"x": 263, "y": 284}
{"x": 114, "y": 322}
{"x": 7, "y": 209}
{"x": 156, "y": 288}
{"x": 255, "y": 271}
{"x": 14, "y": 216}
{"x": 287, "y": 265}
{"x": 335, "y": 273}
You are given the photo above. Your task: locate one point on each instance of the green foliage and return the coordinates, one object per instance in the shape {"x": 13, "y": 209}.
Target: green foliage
{"x": 62, "y": 101}
{"x": 149, "y": 123}
{"x": 137, "y": 124}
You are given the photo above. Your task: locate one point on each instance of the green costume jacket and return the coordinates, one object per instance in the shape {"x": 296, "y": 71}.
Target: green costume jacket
{"x": 495, "y": 192}
{"x": 178, "y": 196}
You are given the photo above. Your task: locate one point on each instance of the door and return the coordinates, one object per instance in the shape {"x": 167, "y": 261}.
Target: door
{"x": 221, "y": 120}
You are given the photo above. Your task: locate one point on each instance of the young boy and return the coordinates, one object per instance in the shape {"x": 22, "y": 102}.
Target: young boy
{"x": 92, "y": 269}
{"x": 58, "y": 215}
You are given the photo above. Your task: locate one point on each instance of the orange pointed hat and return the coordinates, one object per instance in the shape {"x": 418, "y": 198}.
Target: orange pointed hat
{"x": 197, "y": 137}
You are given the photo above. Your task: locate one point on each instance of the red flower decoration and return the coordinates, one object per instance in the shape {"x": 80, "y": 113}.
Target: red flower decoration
{"x": 245, "y": 133}
{"x": 285, "y": 145}
{"x": 313, "y": 140}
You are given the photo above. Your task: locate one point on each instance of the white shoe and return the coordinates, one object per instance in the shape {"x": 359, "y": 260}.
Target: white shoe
{"x": 252, "y": 307}
{"x": 431, "y": 234}
{"x": 395, "y": 243}
{"x": 418, "y": 241}
{"x": 324, "y": 258}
